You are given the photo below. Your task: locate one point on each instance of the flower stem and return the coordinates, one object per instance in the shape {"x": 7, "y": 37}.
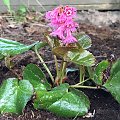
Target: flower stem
{"x": 82, "y": 74}
{"x": 63, "y": 72}
{"x": 56, "y": 64}
{"x": 45, "y": 66}
{"x": 82, "y": 82}
{"x": 50, "y": 42}
{"x": 80, "y": 86}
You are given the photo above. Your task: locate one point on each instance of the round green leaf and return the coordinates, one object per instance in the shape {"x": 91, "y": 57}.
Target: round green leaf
{"x": 72, "y": 104}
{"x": 36, "y": 77}
{"x": 83, "y": 57}
{"x": 63, "y": 101}
{"x": 84, "y": 41}
{"x": 115, "y": 68}
{"x": 14, "y": 95}
{"x": 46, "y": 98}
{"x": 113, "y": 86}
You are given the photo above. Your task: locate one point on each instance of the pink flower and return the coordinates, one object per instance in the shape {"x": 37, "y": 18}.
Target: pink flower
{"x": 56, "y": 17}
{"x": 58, "y": 21}
{"x": 70, "y": 11}
{"x": 48, "y": 15}
{"x": 59, "y": 32}
{"x": 61, "y": 20}
{"x": 71, "y": 25}
{"x": 69, "y": 38}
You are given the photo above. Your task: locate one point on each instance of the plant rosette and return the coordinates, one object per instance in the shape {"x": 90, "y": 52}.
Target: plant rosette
{"x": 57, "y": 96}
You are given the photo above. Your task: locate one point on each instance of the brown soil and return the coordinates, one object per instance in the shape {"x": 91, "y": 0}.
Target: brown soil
{"x": 106, "y": 41}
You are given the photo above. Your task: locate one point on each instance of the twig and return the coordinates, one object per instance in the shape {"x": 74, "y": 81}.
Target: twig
{"x": 87, "y": 87}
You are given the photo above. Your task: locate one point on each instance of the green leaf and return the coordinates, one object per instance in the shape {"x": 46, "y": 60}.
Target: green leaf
{"x": 115, "y": 68}
{"x": 36, "y": 77}
{"x": 14, "y": 95}
{"x": 82, "y": 96}
{"x": 61, "y": 87}
{"x": 47, "y": 98}
{"x": 98, "y": 74}
{"x": 113, "y": 86}
{"x": 11, "y": 48}
{"x": 63, "y": 101}
{"x": 40, "y": 45}
{"x": 84, "y": 41}
{"x": 61, "y": 51}
{"x": 72, "y": 104}
{"x": 83, "y": 57}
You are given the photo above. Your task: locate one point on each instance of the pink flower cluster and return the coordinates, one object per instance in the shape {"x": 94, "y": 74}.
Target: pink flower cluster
{"x": 61, "y": 20}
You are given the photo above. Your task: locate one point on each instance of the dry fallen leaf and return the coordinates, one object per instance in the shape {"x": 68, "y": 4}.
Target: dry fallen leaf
{"x": 30, "y": 17}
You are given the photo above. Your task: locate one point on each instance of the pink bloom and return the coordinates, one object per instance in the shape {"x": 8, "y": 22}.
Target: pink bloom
{"x": 71, "y": 25}
{"x": 61, "y": 20}
{"x": 59, "y": 32}
{"x": 70, "y": 11}
{"x": 56, "y": 17}
{"x": 58, "y": 21}
{"x": 69, "y": 38}
{"x": 48, "y": 15}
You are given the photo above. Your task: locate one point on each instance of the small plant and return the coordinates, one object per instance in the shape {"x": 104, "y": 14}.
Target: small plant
{"x": 58, "y": 97}
{"x": 20, "y": 14}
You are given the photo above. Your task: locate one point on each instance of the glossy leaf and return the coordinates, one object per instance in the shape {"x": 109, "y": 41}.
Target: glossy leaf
{"x": 11, "y": 48}
{"x": 113, "y": 86}
{"x": 115, "y": 68}
{"x": 64, "y": 87}
{"x": 49, "y": 97}
{"x": 63, "y": 101}
{"x": 84, "y": 41}
{"x": 61, "y": 51}
{"x": 83, "y": 57}
{"x": 81, "y": 94}
{"x": 36, "y": 77}
{"x": 14, "y": 95}
{"x": 73, "y": 103}
{"x": 98, "y": 74}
